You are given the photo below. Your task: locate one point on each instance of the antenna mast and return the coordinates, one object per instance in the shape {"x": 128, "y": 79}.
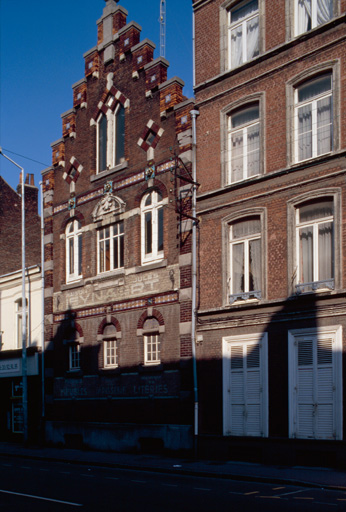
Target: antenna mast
{"x": 162, "y": 28}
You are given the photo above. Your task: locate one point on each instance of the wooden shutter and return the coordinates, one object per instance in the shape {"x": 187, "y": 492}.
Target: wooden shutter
{"x": 315, "y": 387}
{"x": 245, "y": 390}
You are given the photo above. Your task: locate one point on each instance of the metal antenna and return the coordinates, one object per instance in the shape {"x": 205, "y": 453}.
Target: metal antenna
{"x": 162, "y": 28}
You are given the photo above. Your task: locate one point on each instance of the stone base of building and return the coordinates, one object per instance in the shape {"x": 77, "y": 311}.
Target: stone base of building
{"x": 120, "y": 437}
{"x": 274, "y": 451}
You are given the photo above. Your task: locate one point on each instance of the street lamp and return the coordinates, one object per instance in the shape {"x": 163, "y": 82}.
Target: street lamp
{"x": 24, "y": 328}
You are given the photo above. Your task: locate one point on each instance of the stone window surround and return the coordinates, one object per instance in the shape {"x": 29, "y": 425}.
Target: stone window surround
{"x": 224, "y": 116}
{"x": 292, "y": 205}
{"x": 226, "y": 221}
{"x": 290, "y": 18}
{"x": 225, "y": 7}
{"x": 333, "y": 67}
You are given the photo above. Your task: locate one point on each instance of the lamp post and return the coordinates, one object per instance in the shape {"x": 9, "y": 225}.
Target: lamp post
{"x": 24, "y": 328}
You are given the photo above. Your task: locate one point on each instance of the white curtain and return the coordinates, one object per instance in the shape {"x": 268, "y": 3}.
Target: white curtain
{"x": 325, "y": 251}
{"x": 238, "y": 268}
{"x": 324, "y": 11}
{"x": 252, "y": 29}
{"x": 237, "y": 158}
{"x": 304, "y": 16}
{"x": 253, "y": 150}
{"x": 236, "y": 46}
{"x": 304, "y": 132}
{"x": 255, "y": 265}
{"x": 306, "y": 255}
{"x": 324, "y": 126}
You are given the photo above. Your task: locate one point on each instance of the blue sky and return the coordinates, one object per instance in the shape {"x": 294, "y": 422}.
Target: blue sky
{"x": 41, "y": 55}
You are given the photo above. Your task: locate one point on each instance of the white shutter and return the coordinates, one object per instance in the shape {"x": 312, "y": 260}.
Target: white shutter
{"x": 237, "y": 391}
{"x": 245, "y": 390}
{"x": 325, "y": 419}
{"x": 305, "y": 399}
{"x": 315, "y": 389}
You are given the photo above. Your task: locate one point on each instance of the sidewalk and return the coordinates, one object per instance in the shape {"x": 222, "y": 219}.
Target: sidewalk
{"x": 301, "y": 476}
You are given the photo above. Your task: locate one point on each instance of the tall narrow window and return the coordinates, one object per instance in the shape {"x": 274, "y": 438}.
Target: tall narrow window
{"x": 110, "y": 351}
{"x": 315, "y": 245}
{"x": 111, "y": 247}
{"x": 243, "y": 143}
{"x": 314, "y": 118}
{"x": 73, "y": 251}
{"x": 152, "y": 227}
{"x": 74, "y": 356}
{"x": 110, "y": 137}
{"x": 243, "y": 26}
{"x": 311, "y": 13}
{"x": 19, "y": 315}
{"x": 245, "y": 259}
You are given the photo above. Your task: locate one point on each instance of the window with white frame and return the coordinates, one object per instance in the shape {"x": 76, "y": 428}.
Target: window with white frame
{"x": 245, "y": 258}
{"x": 151, "y": 339}
{"x": 313, "y": 118}
{"x": 19, "y": 315}
{"x": 111, "y": 247}
{"x": 315, "y": 245}
{"x": 243, "y": 33}
{"x": 152, "y": 226}
{"x": 315, "y": 383}
{"x": 110, "y": 346}
{"x": 245, "y": 385}
{"x": 312, "y": 13}
{"x": 74, "y": 356}
{"x": 152, "y": 349}
{"x": 243, "y": 143}
{"x": 73, "y": 250}
{"x": 110, "y": 136}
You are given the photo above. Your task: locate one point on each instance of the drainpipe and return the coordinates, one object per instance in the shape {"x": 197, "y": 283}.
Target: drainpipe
{"x": 194, "y": 114}
{"x": 42, "y": 305}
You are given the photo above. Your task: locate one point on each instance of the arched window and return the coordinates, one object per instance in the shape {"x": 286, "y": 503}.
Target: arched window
{"x": 152, "y": 343}
{"x": 73, "y": 341}
{"x": 110, "y": 346}
{"x": 152, "y": 226}
{"x": 110, "y": 136}
{"x": 315, "y": 245}
{"x": 314, "y": 117}
{"x": 73, "y": 250}
{"x": 245, "y": 258}
{"x": 244, "y": 143}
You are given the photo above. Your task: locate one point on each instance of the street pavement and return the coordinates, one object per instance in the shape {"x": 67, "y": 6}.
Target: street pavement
{"x": 325, "y": 478}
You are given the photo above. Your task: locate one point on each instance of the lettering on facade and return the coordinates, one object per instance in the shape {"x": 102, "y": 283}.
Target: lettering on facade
{"x": 141, "y": 386}
{"x": 114, "y": 290}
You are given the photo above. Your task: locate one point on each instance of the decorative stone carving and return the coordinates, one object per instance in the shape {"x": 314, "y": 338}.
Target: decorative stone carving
{"x": 108, "y": 204}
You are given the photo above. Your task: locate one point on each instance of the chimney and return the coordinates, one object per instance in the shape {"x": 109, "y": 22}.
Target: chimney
{"x": 30, "y": 193}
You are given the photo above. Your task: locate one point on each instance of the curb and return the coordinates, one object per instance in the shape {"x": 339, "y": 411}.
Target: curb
{"x": 178, "y": 471}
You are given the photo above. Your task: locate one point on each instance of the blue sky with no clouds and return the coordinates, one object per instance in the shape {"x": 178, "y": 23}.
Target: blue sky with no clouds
{"x": 41, "y": 55}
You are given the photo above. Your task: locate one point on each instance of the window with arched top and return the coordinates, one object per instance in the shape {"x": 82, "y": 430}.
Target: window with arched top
{"x": 110, "y": 346}
{"x": 110, "y": 136}
{"x": 314, "y": 117}
{"x": 152, "y": 227}
{"x": 73, "y": 234}
{"x": 152, "y": 343}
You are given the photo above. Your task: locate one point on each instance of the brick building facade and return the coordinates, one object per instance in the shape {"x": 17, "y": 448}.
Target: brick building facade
{"x": 11, "y": 336}
{"x": 270, "y": 89}
{"x": 118, "y": 252}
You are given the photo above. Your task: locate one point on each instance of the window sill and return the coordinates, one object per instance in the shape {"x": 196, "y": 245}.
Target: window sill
{"x": 316, "y": 287}
{"x": 240, "y": 298}
{"x": 74, "y": 373}
{"x": 106, "y": 275}
{"x": 73, "y": 284}
{"x": 151, "y": 367}
{"x": 147, "y": 266}
{"x": 109, "y": 370}
{"x": 109, "y": 172}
